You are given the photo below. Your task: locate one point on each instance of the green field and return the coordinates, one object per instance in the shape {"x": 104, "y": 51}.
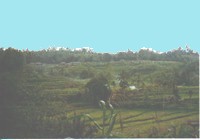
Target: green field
{"x": 51, "y": 94}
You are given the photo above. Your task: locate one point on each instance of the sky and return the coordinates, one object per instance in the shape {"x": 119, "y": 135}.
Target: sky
{"x": 104, "y": 25}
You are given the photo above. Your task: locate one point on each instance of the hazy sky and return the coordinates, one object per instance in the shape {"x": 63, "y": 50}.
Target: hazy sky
{"x": 105, "y": 25}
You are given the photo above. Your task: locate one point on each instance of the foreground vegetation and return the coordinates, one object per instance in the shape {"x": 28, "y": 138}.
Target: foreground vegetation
{"x": 61, "y": 100}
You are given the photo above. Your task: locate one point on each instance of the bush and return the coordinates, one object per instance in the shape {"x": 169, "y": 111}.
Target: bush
{"x": 99, "y": 89}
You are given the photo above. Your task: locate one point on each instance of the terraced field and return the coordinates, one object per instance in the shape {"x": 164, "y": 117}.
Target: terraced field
{"x": 52, "y": 97}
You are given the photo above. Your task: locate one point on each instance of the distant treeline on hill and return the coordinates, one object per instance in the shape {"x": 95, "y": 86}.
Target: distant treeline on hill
{"x": 65, "y": 55}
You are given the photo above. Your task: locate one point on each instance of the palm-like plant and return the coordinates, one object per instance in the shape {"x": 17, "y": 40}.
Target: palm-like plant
{"x": 106, "y": 131}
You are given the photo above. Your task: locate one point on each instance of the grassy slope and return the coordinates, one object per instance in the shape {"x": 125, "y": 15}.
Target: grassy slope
{"x": 48, "y": 99}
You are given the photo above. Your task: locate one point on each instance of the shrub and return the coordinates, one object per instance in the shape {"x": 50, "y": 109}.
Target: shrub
{"x": 99, "y": 89}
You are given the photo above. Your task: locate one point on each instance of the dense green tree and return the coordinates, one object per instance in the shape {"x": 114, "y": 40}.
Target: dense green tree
{"x": 99, "y": 89}
{"x": 11, "y": 60}
{"x": 106, "y": 57}
{"x": 189, "y": 74}
{"x": 11, "y": 66}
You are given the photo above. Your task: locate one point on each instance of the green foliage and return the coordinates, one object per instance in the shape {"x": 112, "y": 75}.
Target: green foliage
{"x": 182, "y": 131}
{"x": 111, "y": 122}
{"x": 11, "y": 60}
{"x": 77, "y": 127}
{"x": 189, "y": 73}
{"x": 11, "y": 65}
{"x": 86, "y": 74}
{"x": 38, "y": 97}
{"x": 54, "y": 56}
{"x": 98, "y": 87}
{"x": 123, "y": 84}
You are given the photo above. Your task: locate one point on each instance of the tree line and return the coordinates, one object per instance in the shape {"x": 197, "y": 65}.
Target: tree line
{"x": 54, "y": 56}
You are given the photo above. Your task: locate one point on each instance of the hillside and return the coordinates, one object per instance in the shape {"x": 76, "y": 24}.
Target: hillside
{"x": 45, "y": 94}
